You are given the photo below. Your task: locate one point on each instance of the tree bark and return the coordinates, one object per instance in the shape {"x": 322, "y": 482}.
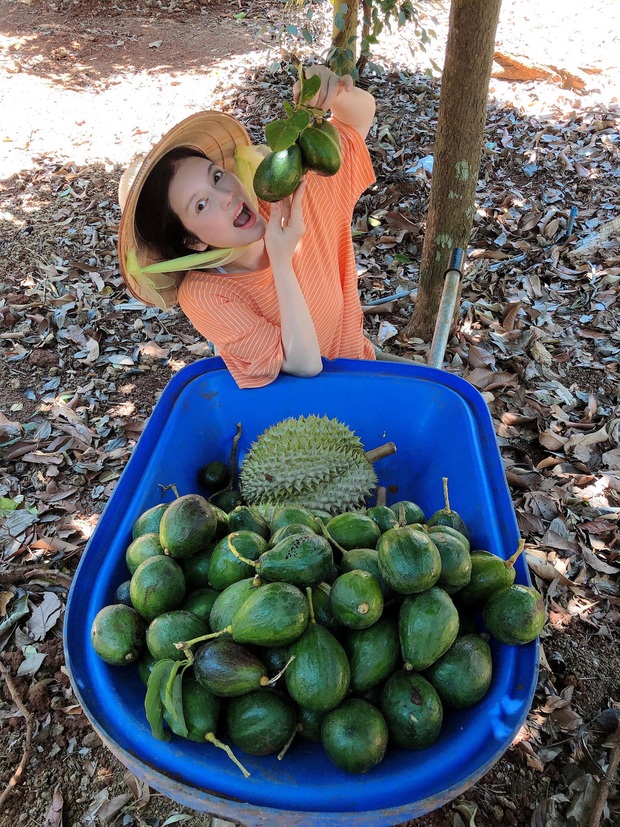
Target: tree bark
{"x": 344, "y": 38}
{"x": 458, "y": 146}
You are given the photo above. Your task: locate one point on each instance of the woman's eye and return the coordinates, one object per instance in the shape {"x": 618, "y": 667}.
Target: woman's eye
{"x": 217, "y": 175}
{"x": 201, "y": 205}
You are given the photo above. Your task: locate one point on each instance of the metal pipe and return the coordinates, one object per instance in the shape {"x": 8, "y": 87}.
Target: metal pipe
{"x": 445, "y": 314}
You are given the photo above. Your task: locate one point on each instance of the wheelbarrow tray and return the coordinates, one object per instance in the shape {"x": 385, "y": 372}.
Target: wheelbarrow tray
{"x": 442, "y": 428}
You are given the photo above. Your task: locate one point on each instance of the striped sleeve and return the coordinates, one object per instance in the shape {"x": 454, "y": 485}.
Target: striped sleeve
{"x": 357, "y": 162}
{"x": 249, "y": 344}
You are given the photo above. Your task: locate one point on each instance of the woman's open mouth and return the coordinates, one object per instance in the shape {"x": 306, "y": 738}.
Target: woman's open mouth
{"x": 245, "y": 217}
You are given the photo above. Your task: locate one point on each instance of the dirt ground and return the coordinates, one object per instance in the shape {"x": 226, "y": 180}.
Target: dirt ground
{"x": 87, "y": 85}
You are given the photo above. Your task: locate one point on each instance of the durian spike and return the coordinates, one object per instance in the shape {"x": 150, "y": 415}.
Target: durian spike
{"x": 385, "y": 450}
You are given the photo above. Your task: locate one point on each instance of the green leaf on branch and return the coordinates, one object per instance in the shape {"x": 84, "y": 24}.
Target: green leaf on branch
{"x": 310, "y": 87}
{"x": 281, "y": 134}
{"x": 300, "y": 120}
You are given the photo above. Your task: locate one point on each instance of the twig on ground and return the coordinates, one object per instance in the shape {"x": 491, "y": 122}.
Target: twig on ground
{"x": 25, "y": 575}
{"x": 14, "y": 780}
{"x": 606, "y": 781}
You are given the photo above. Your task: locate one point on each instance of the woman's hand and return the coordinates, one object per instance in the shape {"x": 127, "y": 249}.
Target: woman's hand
{"x": 285, "y": 227}
{"x": 331, "y": 87}
{"x": 348, "y": 103}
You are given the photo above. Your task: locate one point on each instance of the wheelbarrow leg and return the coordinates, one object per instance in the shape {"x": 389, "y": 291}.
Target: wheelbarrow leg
{"x": 445, "y": 314}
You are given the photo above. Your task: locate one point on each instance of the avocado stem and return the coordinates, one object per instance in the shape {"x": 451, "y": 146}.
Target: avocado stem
{"x": 169, "y": 487}
{"x": 385, "y": 450}
{"x": 210, "y": 737}
{"x": 233, "y": 456}
{"x": 186, "y": 645}
{"x": 284, "y": 749}
{"x": 310, "y": 603}
{"x": 381, "y": 495}
{"x": 331, "y": 539}
{"x": 444, "y": 481}
{"x": 234, "y": 551}
{"x": 509, "y": 563}
{"x": 281, "y": 672}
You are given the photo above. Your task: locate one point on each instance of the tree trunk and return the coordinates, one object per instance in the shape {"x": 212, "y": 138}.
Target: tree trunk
{"x": 366, "y": 18}
{"x": 344, "y": 37}
{"x": 458, "y": 146}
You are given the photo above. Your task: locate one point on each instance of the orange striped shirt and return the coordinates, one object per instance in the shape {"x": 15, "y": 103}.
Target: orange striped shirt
{"x": 240, "y": 313}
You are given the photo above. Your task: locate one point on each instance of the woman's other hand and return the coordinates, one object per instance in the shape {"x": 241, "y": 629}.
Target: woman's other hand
{"x": 285, "y": 227}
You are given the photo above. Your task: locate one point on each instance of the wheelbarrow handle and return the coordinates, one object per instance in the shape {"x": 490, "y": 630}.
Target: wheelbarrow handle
{"x": 445, "y": 314}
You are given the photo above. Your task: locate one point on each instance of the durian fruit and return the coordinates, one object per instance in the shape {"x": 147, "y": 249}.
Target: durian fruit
{"x": 312, "y": 461}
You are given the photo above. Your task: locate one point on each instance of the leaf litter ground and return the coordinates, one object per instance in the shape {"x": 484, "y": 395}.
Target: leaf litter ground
{"x": 82, "y": 365}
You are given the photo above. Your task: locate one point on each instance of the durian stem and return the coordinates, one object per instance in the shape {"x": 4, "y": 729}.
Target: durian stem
{"x": 381, "y": 451}
{"x": 381, "y": 495}
{"x": 509, "y": 563}
{"x": 233, "y": 456}
{"x": 310, "y": 603}
{"x": 210, "y": 737}
{"x": 170, "y": 487}
{"x": 186, "y": 645}
{"x": 444, "y": 480}
{"x": 284, "y": 749}
{"x": 277, "y": 677}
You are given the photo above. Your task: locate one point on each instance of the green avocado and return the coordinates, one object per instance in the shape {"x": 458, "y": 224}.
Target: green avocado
{"x": 187, "y": 526}
{"x": 352, "y": 529}
{"x": 173, "y": 627}
{"x": 412, "y": 710}
{"x": 428, "y": 625}
{"x": 320, "y": 148}
{"x": 261, "y": 722}
{"x": 278, "y": 175}
{"x": 228, "y": 669}
{"x": 117, "y": 634}
{"x": 355, "y": 736}
{"x": 463, "y": 675}
{"x": 515, "y": 615}
{"x": 318, "y": 677}
{"x": 275, "y": 614}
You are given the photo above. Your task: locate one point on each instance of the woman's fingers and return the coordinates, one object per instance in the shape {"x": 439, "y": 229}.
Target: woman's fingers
{"x": 331, "y": 86}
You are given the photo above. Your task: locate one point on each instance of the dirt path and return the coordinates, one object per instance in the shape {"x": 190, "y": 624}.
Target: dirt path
{"x": 97, "y": 82}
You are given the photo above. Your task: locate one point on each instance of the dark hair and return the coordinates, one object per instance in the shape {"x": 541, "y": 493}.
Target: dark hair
{"x": 156, "y": 222}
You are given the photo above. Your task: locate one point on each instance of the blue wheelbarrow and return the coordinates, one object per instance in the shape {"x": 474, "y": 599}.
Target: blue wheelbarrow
{"x": 441, "y": 427}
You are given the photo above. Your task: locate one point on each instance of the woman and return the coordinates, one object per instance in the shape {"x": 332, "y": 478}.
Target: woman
{"x": 280, "y": 286}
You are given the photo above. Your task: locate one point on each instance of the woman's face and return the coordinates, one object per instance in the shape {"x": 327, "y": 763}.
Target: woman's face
{"x": 213, "y": 205}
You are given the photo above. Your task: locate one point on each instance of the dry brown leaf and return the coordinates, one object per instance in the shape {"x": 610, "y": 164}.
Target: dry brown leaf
{"x": 54, "y": 814}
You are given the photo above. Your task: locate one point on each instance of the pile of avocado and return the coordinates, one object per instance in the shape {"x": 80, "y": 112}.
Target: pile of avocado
{"x": 356, "y": 631}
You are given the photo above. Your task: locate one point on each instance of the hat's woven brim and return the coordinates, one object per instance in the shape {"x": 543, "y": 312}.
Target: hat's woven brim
{"x": 215, "y": 134}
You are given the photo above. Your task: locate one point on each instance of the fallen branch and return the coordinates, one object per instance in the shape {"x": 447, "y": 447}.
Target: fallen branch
{"x": 607, "y": 235}
{"x": 25, "y": 575}
{"x": 14, "y": 780}
{"x": 606, "y": 781}
{"x": 517, "y": 69}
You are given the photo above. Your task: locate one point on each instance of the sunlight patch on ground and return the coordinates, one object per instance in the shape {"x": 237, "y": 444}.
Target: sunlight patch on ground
{"x": 110, "y": 125}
